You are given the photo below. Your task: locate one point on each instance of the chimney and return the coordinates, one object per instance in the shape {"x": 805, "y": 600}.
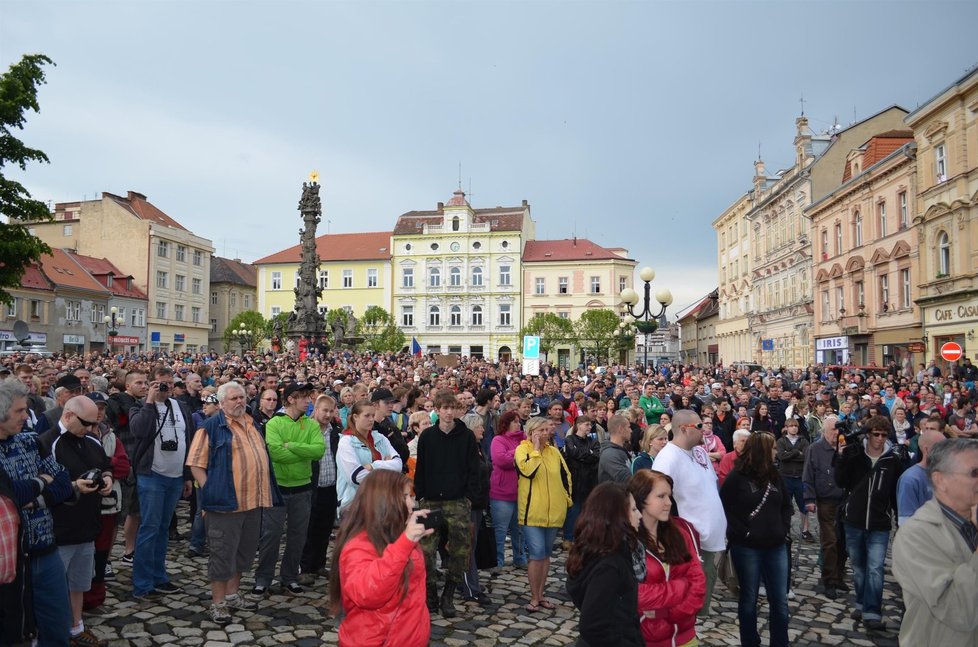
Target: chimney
{"x": 526, "y": 203}
{"x": 440, "y": 207}
{"x": 237, "y": 260}
{"x": 575, "y": 240}
{"x": 131, "y": 195}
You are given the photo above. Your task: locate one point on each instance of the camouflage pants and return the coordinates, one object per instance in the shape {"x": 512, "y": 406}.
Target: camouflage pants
{"x": 457, "y": 528}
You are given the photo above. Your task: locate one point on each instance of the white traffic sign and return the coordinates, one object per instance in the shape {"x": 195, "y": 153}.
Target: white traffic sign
{"x": 531, "y": 348}
{"x": 531, "y": 366}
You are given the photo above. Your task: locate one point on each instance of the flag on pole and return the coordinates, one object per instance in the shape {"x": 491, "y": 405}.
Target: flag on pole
{"x": 415, "y": 347}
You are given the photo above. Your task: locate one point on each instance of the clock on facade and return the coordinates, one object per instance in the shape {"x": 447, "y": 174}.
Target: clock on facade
{"x": 455, "y": 247}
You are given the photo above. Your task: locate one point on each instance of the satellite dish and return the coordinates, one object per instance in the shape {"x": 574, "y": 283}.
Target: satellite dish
{"x": 22, "y": 333}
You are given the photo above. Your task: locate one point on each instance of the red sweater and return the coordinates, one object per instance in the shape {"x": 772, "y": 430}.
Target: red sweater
{"x": 371, "y": 592}
{"x": 675, "y": 598}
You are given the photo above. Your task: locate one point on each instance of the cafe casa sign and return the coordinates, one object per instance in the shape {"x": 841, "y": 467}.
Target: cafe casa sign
{"x": 956, "y": 313}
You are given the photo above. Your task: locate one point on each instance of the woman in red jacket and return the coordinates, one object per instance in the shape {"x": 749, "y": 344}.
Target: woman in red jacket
{"x": 378, "y": 573}
{"x": 675, "y": 586}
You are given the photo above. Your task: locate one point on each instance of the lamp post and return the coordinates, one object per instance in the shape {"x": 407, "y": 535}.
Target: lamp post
{"x": 624, "y": 330}
{"x": 645, "y": 319}
{"x": 110, "y": 325}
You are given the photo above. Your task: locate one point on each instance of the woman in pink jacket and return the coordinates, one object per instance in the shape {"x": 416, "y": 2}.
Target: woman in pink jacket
{"x": 503, "y": 487}
{"x": 675, "y": 586}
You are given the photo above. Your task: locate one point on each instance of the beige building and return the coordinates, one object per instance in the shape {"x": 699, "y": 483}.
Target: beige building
{"x": 781, "y": 316}
{"x": 167, "y": 261}
{"x": 233, "y": 291}
{"x": 568, "y": 277}
{"x": 867, "y": 262}
{"x": 457, "y": 274}
{"x": 734, "y": 293}
{"x": 946, "y": 131}
{"x": 697, "y": 329}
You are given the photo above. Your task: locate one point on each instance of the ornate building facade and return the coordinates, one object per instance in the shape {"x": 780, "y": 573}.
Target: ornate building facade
{"x": 734, "y": 293}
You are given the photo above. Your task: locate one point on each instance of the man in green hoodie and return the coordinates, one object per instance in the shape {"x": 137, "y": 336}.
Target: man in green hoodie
{"x": 294, "y": 441}
{"x": 651, "y": 404}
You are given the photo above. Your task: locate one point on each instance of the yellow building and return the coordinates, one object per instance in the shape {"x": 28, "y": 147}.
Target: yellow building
{"x": 866, "y": 261}
{"x": 569, "y": 277}
{"x": 457, "y": 274}
{"x": 167, "y": 261}
{"x": 946, "y": 131}
{"x": 354, "y": 274}
{"x": 734, "y": 292}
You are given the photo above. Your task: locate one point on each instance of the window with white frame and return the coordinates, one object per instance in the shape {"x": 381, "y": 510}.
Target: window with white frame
{"x": 884, "y": 292}
{"x": 505, "y": 314}
{"x": 371, "y": 277}
{"x": 12, "y": 308}
{"x": 195, "y": 314}
{"x": 476, "y": 315}
{"x": 825, "y": 243}
{"x": 477, "y": 276}
{"x": 858, "y": 227}
{"x": 860, "y": 294}
{"x": 163, "y": 249}
{"x": 407, "y": 316}
{"x": 564, "y": 315}
{"x": 434, "y": 316}
{"x": 541, "y": 286}
{"x": 247, "y": 302}
{"x": 881, "y": 211}
{"x": 825, "y": 305}
{"x": 622, "y": 283}
{"x": 181, "y": 254}
{"x": 840, "y": 299}
{"x": 838, "y": 238}
{"x": 161, "y": 279}
{"x": 905, "y": 288}
{"x": 562, "y": 285}
{"x": 904, "y": 211}
{"x": 455, "y": 277}
{"x": 180, "y": 283}
{"x": 407, "y": 277}
{"x": 66, "y": 230}
{"x": 276, "y": 280}
{"x": 233, "y": 298}
{"x": 943, "y": 254}
{"x": 198, "y": 257}
{"x": 940, "y": 163}
{"x": 178, "y": 312}
{"x": 137, "y": 318}
{"x": 595, "y": 284}
{"x": 213, "y": 325}
{"x": 434, "y": 277}
{"x": 347, "y": 279}
{"x": 161, "y": 309}
{"x": 455, "y": 316}
{"x": 275, "y": 311}
{"x": 214, "y": 298}
{"x": 35, "y": 309}
{"x": 504, "y": 275}
{"x": 323, "y": 279}
{"x": 196, "y": 285}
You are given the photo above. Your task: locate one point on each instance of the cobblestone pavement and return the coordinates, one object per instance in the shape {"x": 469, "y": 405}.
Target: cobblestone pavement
{"x": 302, "y": 619}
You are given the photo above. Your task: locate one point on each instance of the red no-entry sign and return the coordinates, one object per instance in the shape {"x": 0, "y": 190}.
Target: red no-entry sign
{"x": 951, "y": 351}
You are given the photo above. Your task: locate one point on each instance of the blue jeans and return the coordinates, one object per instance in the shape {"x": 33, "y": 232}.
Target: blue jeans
{"x": 867, "y": 549}
{"x": 52, "y": 612}
{"x": 158, "y": 496}
{"x": 573, "y": 513}
{"x": 504, "y": 515}
{"x": 539, "y": 541}
{"x": 753, "y": 564}
{"x": 198, "y": 533}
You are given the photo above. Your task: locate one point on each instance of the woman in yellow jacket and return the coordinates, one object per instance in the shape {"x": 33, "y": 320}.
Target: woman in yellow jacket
{"x": 544, "y": 496}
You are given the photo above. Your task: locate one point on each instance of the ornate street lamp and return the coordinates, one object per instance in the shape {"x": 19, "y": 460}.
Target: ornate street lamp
{"x": 110, "y": 325}
{"x": 645, "y": 319}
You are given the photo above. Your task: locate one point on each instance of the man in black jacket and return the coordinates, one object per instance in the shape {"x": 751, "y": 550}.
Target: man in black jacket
{"x": 446, "y": 479}
{"x": 76, "y": 526}
{"x": 869, "y": 471}
{"x": 323, "y": 512}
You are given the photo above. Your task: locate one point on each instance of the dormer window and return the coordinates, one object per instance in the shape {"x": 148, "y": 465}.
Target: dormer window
{"x": 455, "y": 223}
{"x": 108, "y": 280}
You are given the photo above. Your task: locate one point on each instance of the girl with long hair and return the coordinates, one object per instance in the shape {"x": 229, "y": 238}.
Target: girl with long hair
{"x": 761, "y": 420}
{"x": 604, "y": 568}
{"x": 360, "y": 451}
{"x": 378, "y": 573}
{"x": 654, "y": 439}
{"x": 758, "y": 522}
{"x": 674, "y": 588}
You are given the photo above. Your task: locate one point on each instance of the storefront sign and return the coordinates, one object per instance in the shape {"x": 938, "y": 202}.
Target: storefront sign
{"x": 35, "y": 338}
{"x": 154, "y": 338}
{"x": 956, "y": 313}
{"x": 124, "y": 341}
{"x": 178, "y": 338}
{"x": 831, "y": 343}
{"x": 74, "y": 340}
{"x": 917, "y": 347}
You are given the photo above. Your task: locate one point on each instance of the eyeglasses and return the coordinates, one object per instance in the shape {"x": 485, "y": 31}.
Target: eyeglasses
{"x": 698, "y": 425}
{"x": 85, "y": 423}
{"x": 879, "y": 434}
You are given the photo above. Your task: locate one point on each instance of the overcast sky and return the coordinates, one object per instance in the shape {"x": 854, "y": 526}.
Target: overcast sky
{"x": 632, "y": 123}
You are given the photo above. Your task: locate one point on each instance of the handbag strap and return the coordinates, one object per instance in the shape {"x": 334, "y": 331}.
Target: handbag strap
{"x": 760, "y": 505}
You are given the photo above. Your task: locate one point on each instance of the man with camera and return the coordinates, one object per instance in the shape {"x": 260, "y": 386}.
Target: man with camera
{"x": 162, "y": 429}
{"x": 869, "y": 469}
{"x": 76, "y": 526}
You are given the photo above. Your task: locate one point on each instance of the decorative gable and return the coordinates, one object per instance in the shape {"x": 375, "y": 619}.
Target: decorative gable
{"x": 879, "y": 256}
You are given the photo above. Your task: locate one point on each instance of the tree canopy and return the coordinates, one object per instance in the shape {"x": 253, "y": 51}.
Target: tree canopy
{"x": 552, "y": 330}
{"x": 255, "y": 329}
{"x": 18, "y": 247}
{"x": 379, "y": 331}
{"x": 598, "y": 333}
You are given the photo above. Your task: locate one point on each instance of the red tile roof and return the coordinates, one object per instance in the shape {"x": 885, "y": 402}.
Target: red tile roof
{"x": 569, "y": 249}
{"x": 227, "y": 270}
{"x": 101, "y": 268}
{"x": 499, "y": 218}
{"x": 64, "y": 271}
{"x": 34, "y": 279}
{"x": 139, "y": 206}
{"x": 368, "y": 246}
{"x": 878, "y": 147}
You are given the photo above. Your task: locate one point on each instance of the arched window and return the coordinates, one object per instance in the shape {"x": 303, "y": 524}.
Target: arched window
{"x": 455, "y": 277}
{"x": 434, "y": 316}
{"x": 944, "y": 253}
{"x": 476, "y": 276}
{"x": 434, "y": 277}
{"x": 456, "y": 316}
{"x": 858, "y": 226}
{"x": 455, "y": 223}
{"x": 476, "y": 315}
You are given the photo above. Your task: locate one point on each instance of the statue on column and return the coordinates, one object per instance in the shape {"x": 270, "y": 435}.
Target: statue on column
{"x": 305, "y": 322}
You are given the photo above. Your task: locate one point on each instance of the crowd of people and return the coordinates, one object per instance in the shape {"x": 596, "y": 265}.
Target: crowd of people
{"x": 655, "y": 484}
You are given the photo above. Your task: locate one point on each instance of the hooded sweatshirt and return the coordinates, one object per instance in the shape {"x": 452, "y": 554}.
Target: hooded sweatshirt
{"x": 504, "y": 481}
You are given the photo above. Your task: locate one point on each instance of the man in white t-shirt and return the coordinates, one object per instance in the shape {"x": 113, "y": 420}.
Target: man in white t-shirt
{"x": 695, "y": 490}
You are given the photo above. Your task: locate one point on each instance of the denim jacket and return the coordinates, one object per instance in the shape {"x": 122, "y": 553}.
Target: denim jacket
{"x": 217, "y": 494}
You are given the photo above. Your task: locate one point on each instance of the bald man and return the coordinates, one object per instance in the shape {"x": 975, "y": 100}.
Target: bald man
{"x": 73, "y": 445}
{"x": 913, "y": 488}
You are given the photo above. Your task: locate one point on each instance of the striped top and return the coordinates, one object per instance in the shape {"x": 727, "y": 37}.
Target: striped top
{"x": 249, "y": 461}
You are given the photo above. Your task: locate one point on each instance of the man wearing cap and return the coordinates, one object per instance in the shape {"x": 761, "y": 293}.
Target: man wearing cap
{"x": 76, "y": 526}
{"x": 294, "y": 441}
{"x": 163, "y": 430}
{"x": 65, "y": 388}
{"x": 383, "y": 400}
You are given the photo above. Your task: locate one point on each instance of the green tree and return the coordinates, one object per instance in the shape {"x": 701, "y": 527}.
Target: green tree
{"x": 18, "y": 247}
{"x": 379, "y": 331}
{"x": 551, "y": 329}
{"x": 598, "y": 333}
{"x": 248, "y": 328}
